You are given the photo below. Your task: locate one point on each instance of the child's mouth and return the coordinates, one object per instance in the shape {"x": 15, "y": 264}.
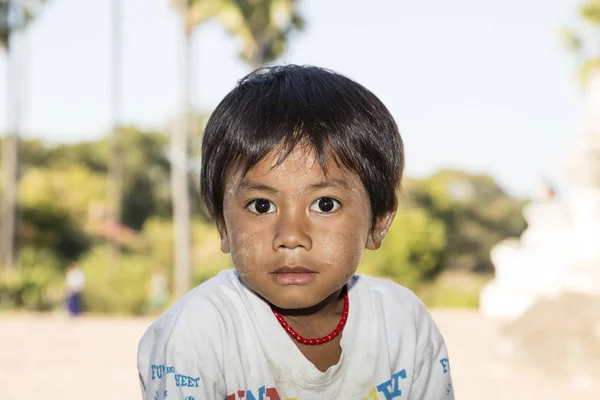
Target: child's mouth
{"x": 297, "y": 275}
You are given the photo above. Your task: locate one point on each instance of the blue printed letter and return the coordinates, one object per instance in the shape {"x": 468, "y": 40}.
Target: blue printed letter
{"x": 444, "y": 362}
{"x": 261, "y": 393}
{"x": 395, "y": 386}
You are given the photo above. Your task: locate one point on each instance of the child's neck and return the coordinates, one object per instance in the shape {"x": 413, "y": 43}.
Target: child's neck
{"x": 332, "y": 305}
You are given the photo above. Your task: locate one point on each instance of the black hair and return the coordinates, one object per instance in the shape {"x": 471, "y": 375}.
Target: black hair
{"x": 290, "y": 105}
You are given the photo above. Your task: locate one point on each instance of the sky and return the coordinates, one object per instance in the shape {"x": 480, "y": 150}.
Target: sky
{"x": 485, "y": 86}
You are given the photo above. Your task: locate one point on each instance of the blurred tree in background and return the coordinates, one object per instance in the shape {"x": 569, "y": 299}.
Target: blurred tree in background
{"x": 476, "y": 212}
{"x": 438, "y": 245}
{"x": 15, "y": 15}
{"x": 584, "y": 42}
{"x": 263, "y": 27}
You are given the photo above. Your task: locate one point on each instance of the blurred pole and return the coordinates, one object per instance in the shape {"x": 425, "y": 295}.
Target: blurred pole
{"x": 10, "y": 155}
{"x": 115, "y": 168}
{"x": 179, "y": 169}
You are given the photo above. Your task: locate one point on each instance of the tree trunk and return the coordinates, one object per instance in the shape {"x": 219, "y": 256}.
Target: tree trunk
{"x": 10, "y": 164}
{"x": 9, "y": 200}
{"x": 179, "y": 177}
{"x": 115, "y": 168}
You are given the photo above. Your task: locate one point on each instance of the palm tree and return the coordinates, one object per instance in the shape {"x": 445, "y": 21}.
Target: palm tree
{"x": 263, "y": 27}
{"x": 180, "y": 192}
{"x": 115, "y": 168}
{"x": 583, "y": 43}
{"x": 14, "y": 16}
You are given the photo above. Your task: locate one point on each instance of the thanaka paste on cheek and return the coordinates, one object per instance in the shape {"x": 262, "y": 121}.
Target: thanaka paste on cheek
{"x": 247, "y": 250}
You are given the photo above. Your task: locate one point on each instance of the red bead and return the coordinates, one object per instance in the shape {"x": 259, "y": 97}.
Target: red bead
{"x": 284, "y": 324}
{"x": 293, "y": 334}
{"x": 300, "y": 339}
{"x": 330, "y": 336}
{"x": 289, "y": 329}
{"x": 319, "y": 341}
{"x": 312, "y": 342}
{"x": 306, "y": 341}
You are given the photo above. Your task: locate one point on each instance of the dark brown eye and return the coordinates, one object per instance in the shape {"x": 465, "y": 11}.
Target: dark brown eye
{"x": 325, "y": 205}
{"x": 261, "y": 206}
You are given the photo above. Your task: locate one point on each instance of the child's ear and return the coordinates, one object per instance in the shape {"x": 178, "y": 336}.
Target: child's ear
{"x": 380, "y": 229}
{"x": 224, "y": 239}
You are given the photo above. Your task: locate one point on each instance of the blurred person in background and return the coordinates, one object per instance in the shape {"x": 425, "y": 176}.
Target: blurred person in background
{"x": 75, "y": 282}
{"x": 159, "y": 291}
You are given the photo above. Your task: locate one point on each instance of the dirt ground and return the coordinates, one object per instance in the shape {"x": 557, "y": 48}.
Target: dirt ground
{"x": 53, "y": 357}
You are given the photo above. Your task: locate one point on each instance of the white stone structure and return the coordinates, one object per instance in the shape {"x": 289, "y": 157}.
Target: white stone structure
{"x": 560, "y": 249}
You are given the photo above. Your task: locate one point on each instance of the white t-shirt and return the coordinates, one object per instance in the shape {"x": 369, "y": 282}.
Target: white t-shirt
{"x": 221, "y": 341}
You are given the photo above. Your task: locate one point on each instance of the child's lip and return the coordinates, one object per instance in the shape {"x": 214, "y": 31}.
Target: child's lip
{"x": 296, "y": 275}
{"x": 297, "y": 269}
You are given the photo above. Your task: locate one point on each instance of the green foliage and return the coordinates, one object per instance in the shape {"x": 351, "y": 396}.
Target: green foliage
{"x": 91, "y": 155}
{"x": 116, "y": 290}
{"x": 26, "y": 10}
{"x": 125, "y": 290}
{"x": 453, "y": 290}
{"x": 54, "y": 208}
{"x": 587, "y": 68}
{"x": 70, "y": 187}
{"x": 590, "y": 11}
{"x": 411, "y": 251}
{"x": 207, "y": 257}
{"x": 446, "y": 223}
{"x": 53, "y": 228}
{"x": 146, "y": 177}
{"x": 476, "y": 212}
{"x": 262, "y": 26}
{"x": 77, "y": 173}
{"x": 37, "y": 285}
{"x": 578, "y": 40}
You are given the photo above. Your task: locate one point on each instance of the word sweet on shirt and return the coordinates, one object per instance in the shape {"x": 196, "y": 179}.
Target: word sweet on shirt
{"x": 181, "y": 380}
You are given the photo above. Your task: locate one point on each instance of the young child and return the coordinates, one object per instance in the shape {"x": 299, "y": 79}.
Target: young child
{"x": 300, "y": 169}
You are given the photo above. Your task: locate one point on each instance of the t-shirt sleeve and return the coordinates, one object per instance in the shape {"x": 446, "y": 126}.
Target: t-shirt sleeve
{"x": 181, "y": 362}
{"x": 432, "y": 379}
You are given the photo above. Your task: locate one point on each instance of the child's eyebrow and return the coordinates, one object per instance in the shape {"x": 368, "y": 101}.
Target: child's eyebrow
{"x": 247, "y": 184}
{"x": 331, "y": 183}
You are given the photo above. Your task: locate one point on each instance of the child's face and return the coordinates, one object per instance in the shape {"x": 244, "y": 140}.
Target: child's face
{"x": 295, "y": 234}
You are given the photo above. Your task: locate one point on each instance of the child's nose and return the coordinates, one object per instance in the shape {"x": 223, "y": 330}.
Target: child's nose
{"x": 291, "y": 232}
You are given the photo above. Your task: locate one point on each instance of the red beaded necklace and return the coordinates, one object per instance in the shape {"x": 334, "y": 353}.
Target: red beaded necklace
{"x": 321, "y": 340}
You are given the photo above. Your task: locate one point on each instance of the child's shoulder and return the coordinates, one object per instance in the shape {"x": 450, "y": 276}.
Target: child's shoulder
{"x": 197, "y": 311}
{"x": 390, "y": 296}
{"x": 403, "y": 314}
